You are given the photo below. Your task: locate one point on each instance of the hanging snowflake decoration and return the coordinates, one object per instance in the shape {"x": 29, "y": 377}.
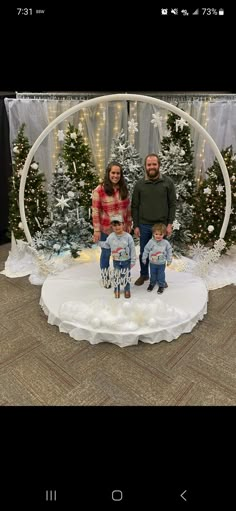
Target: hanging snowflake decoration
{"x": 60, "y": 135}
{"x": 156, "y": 120}
{"x": 132, "y": 126}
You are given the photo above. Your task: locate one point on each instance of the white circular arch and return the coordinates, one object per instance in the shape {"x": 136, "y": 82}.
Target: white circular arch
{"x": 124, "y": 97}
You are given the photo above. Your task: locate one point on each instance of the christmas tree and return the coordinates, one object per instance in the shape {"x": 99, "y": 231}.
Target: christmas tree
{"x": 69, "y": 230}
{"x": 209, "y": 204}
{"x": 35, "y": 197}
{"x": 77, "y": 156}
{"x": 176, "y": 158}
{"x": 126, "y": 154}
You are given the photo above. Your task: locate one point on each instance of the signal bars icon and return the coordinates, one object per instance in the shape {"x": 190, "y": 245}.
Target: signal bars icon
{"x": 196, "y": 12}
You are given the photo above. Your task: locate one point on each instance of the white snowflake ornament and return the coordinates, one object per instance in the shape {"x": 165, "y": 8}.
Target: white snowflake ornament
{"x": 132, "y": 126}
{"x": 60, "y": 135}
{"x": 156, "y": 120}
{"x": 62, "y": 202}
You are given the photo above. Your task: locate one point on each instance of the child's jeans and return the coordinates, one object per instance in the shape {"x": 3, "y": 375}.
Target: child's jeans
{"x": 157, "y": 274}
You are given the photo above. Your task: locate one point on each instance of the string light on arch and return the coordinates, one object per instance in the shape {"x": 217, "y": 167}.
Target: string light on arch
{"x": 201, "y": 154}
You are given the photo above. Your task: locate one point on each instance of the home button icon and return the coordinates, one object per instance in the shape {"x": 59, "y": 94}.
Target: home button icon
{"x": 117, "y": 495}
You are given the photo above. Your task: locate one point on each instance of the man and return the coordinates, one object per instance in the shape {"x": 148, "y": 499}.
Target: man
{"x": 153, "y": 202}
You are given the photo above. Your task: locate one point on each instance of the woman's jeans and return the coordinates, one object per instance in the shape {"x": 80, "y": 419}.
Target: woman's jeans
{"x": 105, "y": 253}
{"x": 120, "y": 267}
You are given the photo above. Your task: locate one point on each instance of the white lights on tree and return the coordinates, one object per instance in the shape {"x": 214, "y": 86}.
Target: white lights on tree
{"x": 210, "y": 228}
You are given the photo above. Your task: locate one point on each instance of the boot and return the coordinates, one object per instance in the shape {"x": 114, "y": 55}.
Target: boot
{"x": 140, "y": 281}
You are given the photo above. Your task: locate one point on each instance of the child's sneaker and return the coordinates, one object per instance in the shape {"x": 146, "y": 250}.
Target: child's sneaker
{"x": 150, "y": 287}
{"x": 160, "y": 290}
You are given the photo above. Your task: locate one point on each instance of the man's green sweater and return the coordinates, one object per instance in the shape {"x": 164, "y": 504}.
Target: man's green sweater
{"x": 154, "y": 201}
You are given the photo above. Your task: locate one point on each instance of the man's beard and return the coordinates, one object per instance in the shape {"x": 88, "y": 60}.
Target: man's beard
{"x": 153, "y": 176}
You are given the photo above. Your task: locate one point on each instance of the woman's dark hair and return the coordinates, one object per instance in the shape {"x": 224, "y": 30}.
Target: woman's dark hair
{"x": 108, "y": 187}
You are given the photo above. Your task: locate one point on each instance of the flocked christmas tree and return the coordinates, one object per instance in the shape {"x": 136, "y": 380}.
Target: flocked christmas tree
{"x": 69, "y": 230}
{"x": 77, "y": 156}
{"x": 127, "y": 155}
{"x": 209, "y": 204}
{"x": 176, "y": 157}
{"x": 35, "y": 196}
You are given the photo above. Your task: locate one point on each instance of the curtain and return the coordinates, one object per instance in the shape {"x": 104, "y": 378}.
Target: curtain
{"x": 101, "y": 123}
{"x": 5, "y": 171}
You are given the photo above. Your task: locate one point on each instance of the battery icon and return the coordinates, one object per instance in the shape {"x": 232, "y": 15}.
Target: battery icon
{"x": 221, "y": 12}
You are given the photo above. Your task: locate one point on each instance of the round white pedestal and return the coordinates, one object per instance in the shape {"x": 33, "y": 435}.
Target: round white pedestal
{"x": 76, "y": 302}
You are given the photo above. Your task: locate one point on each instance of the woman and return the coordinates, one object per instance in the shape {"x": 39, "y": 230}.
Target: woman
{"x": 108, "y": 199}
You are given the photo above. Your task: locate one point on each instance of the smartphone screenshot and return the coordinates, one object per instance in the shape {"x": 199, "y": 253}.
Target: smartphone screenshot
{"x": 117, "y": 254}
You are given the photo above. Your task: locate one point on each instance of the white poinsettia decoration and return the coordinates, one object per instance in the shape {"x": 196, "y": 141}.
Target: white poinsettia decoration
{"x": 73, "y": 135}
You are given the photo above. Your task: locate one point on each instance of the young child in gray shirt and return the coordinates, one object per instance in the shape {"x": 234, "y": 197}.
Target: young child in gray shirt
{"x": 122, "y": 251}
{"x": 159, "y": 252}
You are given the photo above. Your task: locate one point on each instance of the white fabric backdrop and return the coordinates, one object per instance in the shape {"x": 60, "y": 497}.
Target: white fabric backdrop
{"x": 103, "y": 122}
